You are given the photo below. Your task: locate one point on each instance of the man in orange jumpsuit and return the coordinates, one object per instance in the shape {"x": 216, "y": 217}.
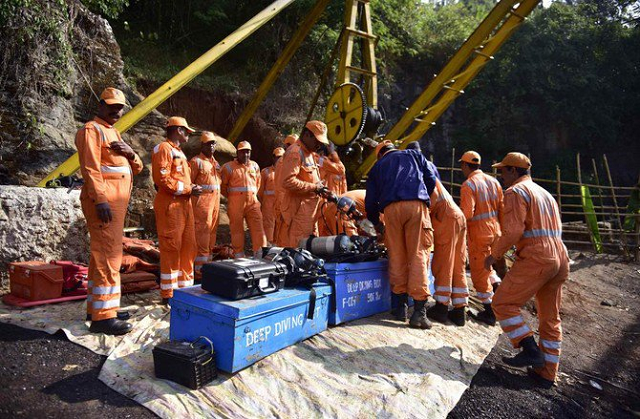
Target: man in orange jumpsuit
{"x": 333, "y": 174}
{"x": 346, "y": 225}
{"x": 481, "y": 203}
{"x": 173, "y": 210}
{"x": 399, "y": 185}
{"x": 205, "y": 172}
{"x": 531, "y": 221}
{"x": 107, "y": 165}
{"x": 267, "y": 195}
{"x": 300, "y": 179}
{"x": 240, "y": 184}
{"x": 279, "y": 235}
{"x": 449, "y": 258}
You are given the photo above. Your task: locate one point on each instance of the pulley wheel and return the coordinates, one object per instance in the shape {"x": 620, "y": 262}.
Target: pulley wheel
{"x": 346, "y": 114}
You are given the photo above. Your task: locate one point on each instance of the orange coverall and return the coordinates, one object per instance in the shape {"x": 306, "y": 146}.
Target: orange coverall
{"x": 449, "y": 235}
{"x": 333, "y": 173}
{"x": 532, "y": 222}
{"x": 408, "y": 237}
{"x": 481, "y": 203}
{"x": 174, "y": 217}
{"x": 267, "y": 195}
{"x": 108, "y": 178}
{"x": 345, "y": 225}
{"x": 300, "y": 204}
{"x": 277, "y": 207}
{"x": 206, "y": 206}
{"x": 240, "y": 184}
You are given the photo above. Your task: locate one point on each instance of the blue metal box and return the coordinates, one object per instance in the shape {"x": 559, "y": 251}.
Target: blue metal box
{"x": 245, "y": 331}
{"x": 361, "y": 290}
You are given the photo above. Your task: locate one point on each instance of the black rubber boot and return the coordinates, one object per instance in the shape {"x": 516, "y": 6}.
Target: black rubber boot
{"x": 530, "y": 356}
{"x": 88, "y": 319}
{"x": 486, "y": 316}
{"x": 110, "y": 327}
{"x": 540, "y": 380}
{"x": 419, "y": 317}
{"x": 458, "y": 316}
{"x": 165, "y": 302}
{"x": 400, "y": 304}
{"x": 438, "y": 313}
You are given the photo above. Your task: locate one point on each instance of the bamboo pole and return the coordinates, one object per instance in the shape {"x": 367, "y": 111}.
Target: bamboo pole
{"x": 453, "y": 163}
{"x": 559, "y": 190}
{"x": 591, "y": 233}
{"x": 595, "y": 172}
{"x": 615, "y": 204}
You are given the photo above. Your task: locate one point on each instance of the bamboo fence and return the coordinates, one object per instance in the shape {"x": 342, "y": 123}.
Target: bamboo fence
{"x": 610, "y": 203}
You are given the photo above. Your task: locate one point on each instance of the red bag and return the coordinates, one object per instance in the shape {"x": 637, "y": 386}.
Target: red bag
{"x": 138, "y": 282}
{"x": 74, "y": 276}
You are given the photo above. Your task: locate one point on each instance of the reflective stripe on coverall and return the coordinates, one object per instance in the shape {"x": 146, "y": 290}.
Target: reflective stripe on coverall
{"x": 267, "y": 195}
{"x": 205, "y": 172}
{"x": 300, "y": 204}
{"x": 531, "y": 221}
{"x": 345, "y": 225}
{"x": 240, "y": 184}
{"x": 107, "y": 179}
{"x": 408, "y": 237}
{"x": 481, "y": 203}
{"x": 174, "y": 217}
{"x": 449, "y": 236}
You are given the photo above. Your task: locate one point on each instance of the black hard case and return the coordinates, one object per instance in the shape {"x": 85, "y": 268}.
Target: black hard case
{"x": 236, "y": 279}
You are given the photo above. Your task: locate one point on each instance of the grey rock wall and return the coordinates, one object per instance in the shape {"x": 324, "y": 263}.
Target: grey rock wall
{"x": 41, "y": 224}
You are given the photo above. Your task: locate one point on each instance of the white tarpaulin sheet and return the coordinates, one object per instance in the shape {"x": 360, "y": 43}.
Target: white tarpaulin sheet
{"x": 373, "y": 367}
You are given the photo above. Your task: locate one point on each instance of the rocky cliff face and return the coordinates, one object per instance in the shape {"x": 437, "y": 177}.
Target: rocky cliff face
{"x": 41, "y": 224}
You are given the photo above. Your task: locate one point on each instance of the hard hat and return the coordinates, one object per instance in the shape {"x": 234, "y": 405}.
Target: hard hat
{"x": 470, "y": 157}
{"x": 278, "y": 151}
{"x": 381, "y": 145}
{"x": 178, "y": 121}
{"x": 290, "y": 139}
{"x": 319, "y": 130}
{"x": 207, "y": 137}
{"x": 244, "y": 145}
{"x": 113, "y": 96}
{"x": 514, "y": 160}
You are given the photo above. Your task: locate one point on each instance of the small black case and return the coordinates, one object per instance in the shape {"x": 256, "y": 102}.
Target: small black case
{"x": 191, "y": 364}
{"x": 236, "y": 279}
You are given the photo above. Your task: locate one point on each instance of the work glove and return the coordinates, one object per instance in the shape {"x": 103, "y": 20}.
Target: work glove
{"x": 104, "y": 212}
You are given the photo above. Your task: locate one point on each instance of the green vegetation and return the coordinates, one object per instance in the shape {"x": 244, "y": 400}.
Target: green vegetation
{"x": 568, "y": 81}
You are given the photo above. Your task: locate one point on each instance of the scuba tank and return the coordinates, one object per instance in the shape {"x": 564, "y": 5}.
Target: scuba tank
{"x": 324, "y": 247}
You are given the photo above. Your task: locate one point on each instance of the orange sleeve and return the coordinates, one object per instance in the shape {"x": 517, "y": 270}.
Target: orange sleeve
{"x": 500, "y": 204}
{"x": 289, "y": 175}
{"x": 161, "y": 163}
{"x": 194, "y": 169}
{"x": 467, "y": 201}
{"x": 224, "y": 179}
{"x": 514, "y": 216}
{"x": 136, "y": 164}
{"x": 259, "y": 182}
{"x": 335, "y": 167}
{"x": 263, "y": 176}
{"x": 89, "y": 145}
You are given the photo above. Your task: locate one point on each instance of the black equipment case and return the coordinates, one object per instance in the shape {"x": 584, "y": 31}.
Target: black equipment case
{"x": 243, "y": 278}
{"x": 192, "y": 364}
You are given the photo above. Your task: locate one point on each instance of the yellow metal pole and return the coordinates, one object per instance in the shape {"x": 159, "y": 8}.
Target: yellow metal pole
{"x": 369, "y": 58}
{"x": 346, "y": 49}
{"x": 450, "y": 74}
{"x": 462, "y": 80}
{"x": 277, "y": 69}
{"x": 165, "y": 91}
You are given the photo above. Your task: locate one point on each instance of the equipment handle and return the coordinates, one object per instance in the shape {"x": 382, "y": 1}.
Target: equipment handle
{"x": 266, "y": 290}
{"x": 210, "y": 344}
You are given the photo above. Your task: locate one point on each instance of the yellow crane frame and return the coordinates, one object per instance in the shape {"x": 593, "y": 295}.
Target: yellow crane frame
{"x": 466, "y": 63}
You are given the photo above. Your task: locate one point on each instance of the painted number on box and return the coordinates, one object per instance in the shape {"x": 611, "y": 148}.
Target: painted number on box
{"x": 366, "y": 289}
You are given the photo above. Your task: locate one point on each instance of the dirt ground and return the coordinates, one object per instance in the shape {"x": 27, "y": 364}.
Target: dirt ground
{"x": 46, "y": 375}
